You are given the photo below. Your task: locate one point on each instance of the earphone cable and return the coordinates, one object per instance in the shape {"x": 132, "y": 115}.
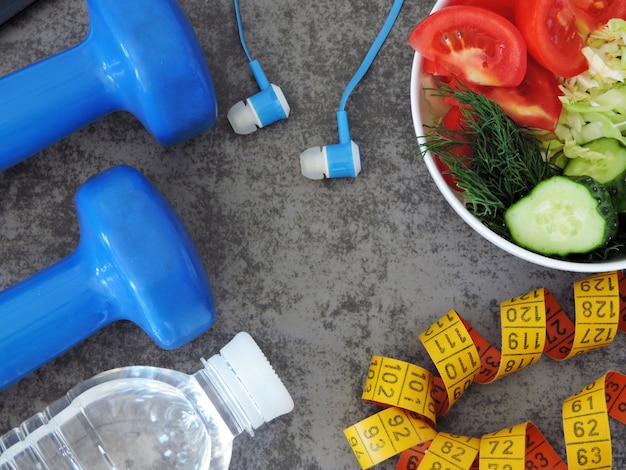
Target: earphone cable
{"x": 371, "y": 54}
{"x": 240, "y": 28}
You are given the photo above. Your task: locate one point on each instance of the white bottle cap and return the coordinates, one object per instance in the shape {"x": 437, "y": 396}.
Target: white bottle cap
{"x": 263, "y": 396}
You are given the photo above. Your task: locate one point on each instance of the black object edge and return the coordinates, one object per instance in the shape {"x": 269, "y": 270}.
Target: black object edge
{"x": 10, "y": 8}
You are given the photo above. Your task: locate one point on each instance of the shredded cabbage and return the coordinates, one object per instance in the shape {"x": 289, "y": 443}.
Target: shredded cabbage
{"x": 594, "y": 102}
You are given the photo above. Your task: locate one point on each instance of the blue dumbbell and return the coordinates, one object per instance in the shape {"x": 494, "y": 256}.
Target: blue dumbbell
{"x": 135, "y": 261}
{"x": 140, "y": 56}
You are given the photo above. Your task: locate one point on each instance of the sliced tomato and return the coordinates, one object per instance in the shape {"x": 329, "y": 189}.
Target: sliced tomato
{"x": 430, "y": 66}
{"x": 535, "y": 102}
{"x": 552, "y": 38}
{"x": 476, "y": 45}
{"x": 452, "y": 122}
{"x": 504, "y": 8}
{"x": 593, "y": 14}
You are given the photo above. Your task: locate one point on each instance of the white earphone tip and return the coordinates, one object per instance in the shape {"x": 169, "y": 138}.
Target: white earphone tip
{"x": 242, "y": 118}
{"x": 313, "y": 163}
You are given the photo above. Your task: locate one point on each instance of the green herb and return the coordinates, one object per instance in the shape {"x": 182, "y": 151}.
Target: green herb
{"x": 506, "y": 161}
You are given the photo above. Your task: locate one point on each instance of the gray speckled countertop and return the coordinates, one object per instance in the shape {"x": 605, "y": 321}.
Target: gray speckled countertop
{"x": 322, "y": 274}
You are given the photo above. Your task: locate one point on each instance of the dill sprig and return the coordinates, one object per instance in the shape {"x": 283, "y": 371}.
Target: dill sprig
{"x": 506, "y": 161}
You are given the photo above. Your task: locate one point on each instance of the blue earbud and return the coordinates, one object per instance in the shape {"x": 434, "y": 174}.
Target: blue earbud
{"x": 344, "y": 159}
{"x": 333, "y": 161}
{"x": 262, "y": 109}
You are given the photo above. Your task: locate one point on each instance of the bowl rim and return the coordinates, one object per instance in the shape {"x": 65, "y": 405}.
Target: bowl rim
{"x": 473, "y": 221}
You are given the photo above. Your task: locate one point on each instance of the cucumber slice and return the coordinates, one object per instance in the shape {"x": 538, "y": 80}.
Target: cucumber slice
{"x": 610, "y": 170}
{"x": 563, "y": 215}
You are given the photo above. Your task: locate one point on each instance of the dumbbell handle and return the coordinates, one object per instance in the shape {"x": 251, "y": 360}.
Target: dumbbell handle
{"x": 49, "y": 100}
{"x": 47, "y": 314}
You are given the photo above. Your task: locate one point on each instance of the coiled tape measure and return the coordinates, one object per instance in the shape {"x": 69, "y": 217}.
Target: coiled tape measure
{"x": 532, "y": 325}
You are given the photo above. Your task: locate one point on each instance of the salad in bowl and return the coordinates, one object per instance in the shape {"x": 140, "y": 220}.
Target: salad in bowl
{"x": 521, "y": 122}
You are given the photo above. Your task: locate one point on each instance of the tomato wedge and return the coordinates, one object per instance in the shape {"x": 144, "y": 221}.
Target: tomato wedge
{"x": 535, "y": 102}
{"x": 593, "y": 14}
{"x": 549, "y": 28}
{"x": 474, "y": 44}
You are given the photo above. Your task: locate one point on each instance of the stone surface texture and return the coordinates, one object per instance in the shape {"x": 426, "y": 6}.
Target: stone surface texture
{"x": 323, "y": 274}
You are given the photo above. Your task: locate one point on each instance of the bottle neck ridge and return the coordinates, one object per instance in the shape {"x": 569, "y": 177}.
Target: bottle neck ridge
{"x": 225, "y": 390}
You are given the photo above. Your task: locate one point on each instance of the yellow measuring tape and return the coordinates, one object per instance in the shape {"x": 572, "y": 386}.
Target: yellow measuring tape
{"x": 532, "y": 325}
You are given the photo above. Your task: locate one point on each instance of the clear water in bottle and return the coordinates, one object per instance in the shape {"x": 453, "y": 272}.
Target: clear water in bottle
{"x": 151, "y": 418}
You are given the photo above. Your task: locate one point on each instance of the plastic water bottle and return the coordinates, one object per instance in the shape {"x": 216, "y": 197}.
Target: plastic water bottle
{"x": 151, "y": 418}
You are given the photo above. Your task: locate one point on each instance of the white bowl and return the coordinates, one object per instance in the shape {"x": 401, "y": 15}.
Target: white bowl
{"x": 420, "y": 117}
